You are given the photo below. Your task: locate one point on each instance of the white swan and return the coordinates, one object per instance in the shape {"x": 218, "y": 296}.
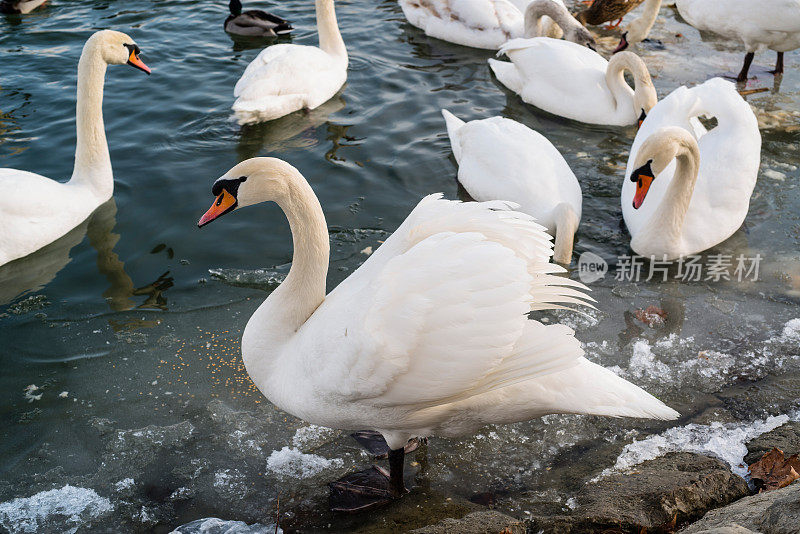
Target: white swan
{"x": 429, "y": 336}
{"x": 490, "y": 23}
{"x": 773, "y": 24}
{"x": 686, "y": 189}
{"x": 572, "y": 81}
{"x": 35, "y": 210}
{"x": 285, "y": 78}
{"x": 501, "y": 159}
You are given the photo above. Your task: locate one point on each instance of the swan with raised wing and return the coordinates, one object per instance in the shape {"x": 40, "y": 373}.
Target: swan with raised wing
{"x": 688, "y": 189}
{"x": 429, "y": 336}
{"x": 285, "y": 78}
{"x": 35, "y": 210}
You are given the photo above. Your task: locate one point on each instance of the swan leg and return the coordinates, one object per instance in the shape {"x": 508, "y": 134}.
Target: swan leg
{"x": 376, "y": 445}
{"x": 371, "y": 488}
{"x": 778, "y": 64}
{"x": 748, "y": 59}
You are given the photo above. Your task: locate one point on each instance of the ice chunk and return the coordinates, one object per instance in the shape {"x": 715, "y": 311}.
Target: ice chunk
{"x": 213, "y": 525}
{"x": 291, "y": 462}
{"x": 791, "y": 330}
{"x": 68, "y": 506}
{"x": 643, "y": 363}
{"x": 124, "y": 484}
{"x": 725, "y": 441}
{"x": 312, "y": 435}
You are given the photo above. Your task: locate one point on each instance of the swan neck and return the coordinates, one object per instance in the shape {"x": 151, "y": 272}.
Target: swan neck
{"x": 639, "y": 29}
{"x": 538, "y": 9}
{"x": 566, "y": 225}
{"x": 330, "y": 38}
{"x": 626, "y": 100}
{"x": 92, "y": 160}
{"x": 304, "y": 288}
{"x": 670, "y": 215}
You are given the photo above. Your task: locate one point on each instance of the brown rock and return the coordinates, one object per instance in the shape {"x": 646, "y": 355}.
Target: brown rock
{"x": 786, "y": 438}
{"x": 484, "y": 522}
{"x": 658, "y": 496}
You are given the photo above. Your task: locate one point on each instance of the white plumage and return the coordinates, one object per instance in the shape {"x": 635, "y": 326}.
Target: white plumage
{"x": 717, "y": 203}
{"x": 35, "y": 210}
{"x": 430, "y": 334}
{"x": 501, "y": 159}
{"x": 490, "y": 23}
{"x": 285, "y": 78}
{"x": 575, "y": 82}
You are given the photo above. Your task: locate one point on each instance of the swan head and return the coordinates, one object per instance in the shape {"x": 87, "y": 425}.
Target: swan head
{"x": 250, "y": 182}
{"x": 117, "y": 48}
{"x": 655, "y": 154}
{"x": 635, "y": 32}
{"x": 580, "y": 35}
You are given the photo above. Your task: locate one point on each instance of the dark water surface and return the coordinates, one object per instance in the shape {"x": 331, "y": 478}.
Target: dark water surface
{"x": 129, "y": 327}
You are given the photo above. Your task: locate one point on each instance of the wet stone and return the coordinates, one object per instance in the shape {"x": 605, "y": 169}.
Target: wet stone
{"x": 484, "y": 522}
{"x": 786, "y": 438}
{"x": 657, "y": 495}
{"x": 773, "y": 512}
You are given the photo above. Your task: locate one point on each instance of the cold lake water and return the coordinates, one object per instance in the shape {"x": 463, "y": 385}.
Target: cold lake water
{"x": 124, "y": 402}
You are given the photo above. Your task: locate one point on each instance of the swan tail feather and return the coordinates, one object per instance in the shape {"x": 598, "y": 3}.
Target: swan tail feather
{"x": 453, "y": 125}
{"x": 507, "y": 73}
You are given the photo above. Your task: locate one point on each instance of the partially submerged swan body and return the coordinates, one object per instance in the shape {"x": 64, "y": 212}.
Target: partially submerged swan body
{"x": 285, "y": 78}
{"x": 688, "y": 189}
{"x": 575, "y": 82}
{"x": 490, "y": 23}
{"x": 19, "y": 7}
{"x": 501, "y": 159}
{"x": 430, "y": 336}
{"x": 35, "y": 210}
{"x": 254, "y": 22}
{"x": 772, "y": 24}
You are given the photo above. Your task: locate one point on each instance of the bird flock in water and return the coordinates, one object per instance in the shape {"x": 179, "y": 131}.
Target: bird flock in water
{"x": 431, "y": 335}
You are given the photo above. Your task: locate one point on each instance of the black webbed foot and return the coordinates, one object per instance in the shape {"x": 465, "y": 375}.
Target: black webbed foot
{"x": 361, "y": 491}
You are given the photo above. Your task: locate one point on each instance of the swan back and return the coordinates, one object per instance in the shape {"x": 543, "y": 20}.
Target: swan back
{"x": 729, "y": 161}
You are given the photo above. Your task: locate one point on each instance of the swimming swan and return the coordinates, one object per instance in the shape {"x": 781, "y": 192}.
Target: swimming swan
{"x": 501, "y": 159}
{"x": 572, "y": 81}
{"x": 35, "y": 210}
{"x": 689, "y": 189}
{"x": 428, "y": 337}
{"x": 490, "y": 23}
{"x": 285, "y": 78}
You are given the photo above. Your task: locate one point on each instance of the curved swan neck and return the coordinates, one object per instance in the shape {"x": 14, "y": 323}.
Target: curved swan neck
{"x": 92, "y": 161}
{"x": 643, "y": 86}
{"x": 330, "y": 38}
{"x": 639, "y": 28}
{"x": 293, "y": 302}
{"x": 566, "y": 225}
{"x": 667, "y": 219}
{"x": 538, "y": 9}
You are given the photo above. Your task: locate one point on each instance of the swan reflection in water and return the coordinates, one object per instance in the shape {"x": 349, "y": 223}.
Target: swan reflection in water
{"x": 35, "y": 271}
{"x": 296, "y": 130}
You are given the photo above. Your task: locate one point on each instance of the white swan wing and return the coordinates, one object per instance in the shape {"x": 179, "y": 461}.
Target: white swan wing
{"x": 284, "y": 69}
{"x": 448, "y": 297}
{"x": 505, "y": 160}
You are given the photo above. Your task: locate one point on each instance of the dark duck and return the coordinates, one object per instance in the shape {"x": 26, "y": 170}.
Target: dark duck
{"x": 254, "y": 22}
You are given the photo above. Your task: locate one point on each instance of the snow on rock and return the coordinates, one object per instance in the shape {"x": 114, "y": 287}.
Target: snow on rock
{"x": 725, "y": 441}
{"x": 213, "y": 525}
{"x": 291, "y": 462}
{"x": 68, "y": 507}
{"x": 791, "y": 330}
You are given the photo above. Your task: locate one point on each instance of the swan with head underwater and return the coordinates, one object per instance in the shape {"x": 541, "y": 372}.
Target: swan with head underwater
{"x": 430, "y": 336}
{"x": 501, "y": 159}
{"x": 572, "y": 81}
{"x": 254, "y": 22}
{"x": 19, "y": 7}
{"x": 490, "y": 23}
{"x": 773, "y": 24}
{"x": 689, "y": 189}
{"x": 285, "y": 78}
{"x": 35, "y": 210}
